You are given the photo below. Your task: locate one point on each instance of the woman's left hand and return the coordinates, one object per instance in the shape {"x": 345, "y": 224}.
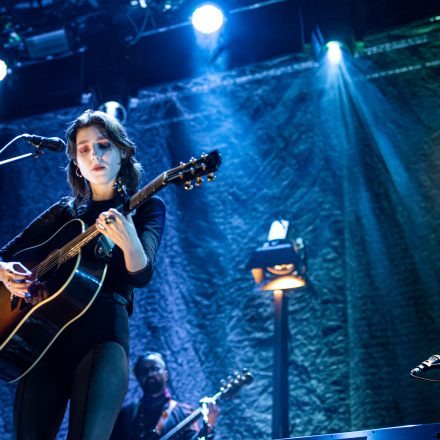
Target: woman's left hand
{"x": 122, "y": 232}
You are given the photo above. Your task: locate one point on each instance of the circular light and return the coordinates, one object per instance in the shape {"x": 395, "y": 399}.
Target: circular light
{"x": 3, "y": 70}
{"x": 334, "y": 52}
{"x": 208, "y": 18}
{"x": 114, "y": 109}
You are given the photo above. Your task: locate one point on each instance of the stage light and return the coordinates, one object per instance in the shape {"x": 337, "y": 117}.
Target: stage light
{"x": 3, "y": 70}
{"x": 280, "y": 264}
{"x": 208, "y": 18}
{"x": 334, "y": 52}
{"x": 114, "y": 109}
{"x": 48, "y": 44}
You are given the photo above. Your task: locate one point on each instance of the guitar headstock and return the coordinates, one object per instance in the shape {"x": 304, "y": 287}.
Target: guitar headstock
{"x": 194, "y": 170}
{"x": 232, "y": 384}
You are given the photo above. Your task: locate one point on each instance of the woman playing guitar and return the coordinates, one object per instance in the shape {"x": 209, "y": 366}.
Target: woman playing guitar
{"x": 87, "y": 362}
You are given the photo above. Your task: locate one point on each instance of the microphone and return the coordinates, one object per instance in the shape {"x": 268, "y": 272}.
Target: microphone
{"x": 54, "y": 144}
{"x": 432, "y": 362}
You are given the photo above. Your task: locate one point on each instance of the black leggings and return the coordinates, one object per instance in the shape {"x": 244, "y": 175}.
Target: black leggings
{"x": 96, "y": 391}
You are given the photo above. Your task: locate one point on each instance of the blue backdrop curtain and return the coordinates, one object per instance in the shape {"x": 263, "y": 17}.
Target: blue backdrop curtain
{"x": 350, "y": 156}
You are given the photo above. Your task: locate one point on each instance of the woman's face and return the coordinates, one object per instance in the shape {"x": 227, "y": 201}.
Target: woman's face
{"x": 96, "y": 157}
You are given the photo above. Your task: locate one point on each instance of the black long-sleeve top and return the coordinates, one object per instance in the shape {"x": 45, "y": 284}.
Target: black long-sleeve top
{"x": 106, "y": 320}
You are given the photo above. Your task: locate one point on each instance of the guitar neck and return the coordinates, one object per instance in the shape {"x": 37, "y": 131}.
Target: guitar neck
{"x": 185, "y": 423}
{"x": 147, "y": 191}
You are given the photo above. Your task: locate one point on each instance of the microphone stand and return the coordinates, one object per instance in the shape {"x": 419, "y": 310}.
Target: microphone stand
{"x": 38, "y": 152}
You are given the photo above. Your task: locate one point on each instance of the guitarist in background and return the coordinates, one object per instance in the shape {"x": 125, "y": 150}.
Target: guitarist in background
{"x": 156, "y": 412}
{"x": 88, "y": 363}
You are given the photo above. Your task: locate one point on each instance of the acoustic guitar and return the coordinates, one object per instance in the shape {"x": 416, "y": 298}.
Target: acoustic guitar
{"x": 71, "y": 280}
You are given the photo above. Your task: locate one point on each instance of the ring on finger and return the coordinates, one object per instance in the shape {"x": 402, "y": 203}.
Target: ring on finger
{"x": 109, "y": 219}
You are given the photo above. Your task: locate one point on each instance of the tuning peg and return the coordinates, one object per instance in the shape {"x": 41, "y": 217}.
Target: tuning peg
{"x": 199, "y": 181}
{"x": 188, "y": 185}
{"x": 237, "y": 376}
{"x": 119, "y": 185}
{"x": 193, "y": 160}
{"x": 210, "y": 177}
{"x": 248, "y": 377}
{"x": 182, "y": 165}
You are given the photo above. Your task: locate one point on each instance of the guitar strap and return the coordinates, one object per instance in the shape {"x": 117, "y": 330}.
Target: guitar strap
{"x": 165, "y": 414}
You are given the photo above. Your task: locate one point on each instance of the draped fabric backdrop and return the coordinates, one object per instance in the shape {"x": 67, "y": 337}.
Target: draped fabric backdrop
{"x": 351, "y": 158}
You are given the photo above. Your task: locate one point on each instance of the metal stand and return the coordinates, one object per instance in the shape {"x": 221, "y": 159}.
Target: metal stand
{"x": 38, "y": 152}
{"x": 280, "y": 406}
{"x": 23, "y": 156}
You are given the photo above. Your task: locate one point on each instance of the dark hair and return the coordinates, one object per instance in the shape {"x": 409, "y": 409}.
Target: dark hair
{"x": 131, "y": 169}
{"x": 141, "y": 359}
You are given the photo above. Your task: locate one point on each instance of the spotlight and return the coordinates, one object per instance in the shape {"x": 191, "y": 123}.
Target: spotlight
{"x": 281, "y": 263}
{"x": 208, "y": 18}
{"x": 333, "y": 43}
{"x": 334, "y": 52}
{"x": 3, "y": 70}
{"x": 114, "y": 109}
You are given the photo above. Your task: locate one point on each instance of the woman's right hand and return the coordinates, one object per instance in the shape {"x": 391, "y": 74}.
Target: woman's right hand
{"x": 15, "y": 277}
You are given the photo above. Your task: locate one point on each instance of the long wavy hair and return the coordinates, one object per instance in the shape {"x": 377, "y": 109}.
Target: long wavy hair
{"x": 112, "y": 129}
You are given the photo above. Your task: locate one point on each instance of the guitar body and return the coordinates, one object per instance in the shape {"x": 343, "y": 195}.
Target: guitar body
{"x": 26, "y": 331}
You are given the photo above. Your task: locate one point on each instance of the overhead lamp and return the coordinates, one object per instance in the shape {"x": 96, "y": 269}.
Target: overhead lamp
{"x": 3, "y": 70}
{"x": 208, "y": 18}
{"x": 334, "y": 52}
{"x": 333, "y": 43}
{"x": 115, "y": 109}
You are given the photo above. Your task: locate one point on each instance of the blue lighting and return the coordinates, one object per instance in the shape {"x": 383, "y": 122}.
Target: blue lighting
{"x": 334, "y": 52}
{"x": 208, "y": 18}
{"x": 3, "y": 70}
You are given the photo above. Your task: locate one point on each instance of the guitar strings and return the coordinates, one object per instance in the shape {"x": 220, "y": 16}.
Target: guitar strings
{"x": 71, "y": 249}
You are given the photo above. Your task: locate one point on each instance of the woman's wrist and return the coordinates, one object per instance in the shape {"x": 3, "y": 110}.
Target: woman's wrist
{"x": 133, "y": 251}
{"x": 135, "y": 259}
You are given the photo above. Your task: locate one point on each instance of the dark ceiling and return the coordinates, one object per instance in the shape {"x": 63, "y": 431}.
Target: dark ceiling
{"x": 113, "y": 48}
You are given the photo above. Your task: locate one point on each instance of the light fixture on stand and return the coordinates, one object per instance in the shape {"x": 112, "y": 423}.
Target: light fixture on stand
{"x": 280, "y": 265}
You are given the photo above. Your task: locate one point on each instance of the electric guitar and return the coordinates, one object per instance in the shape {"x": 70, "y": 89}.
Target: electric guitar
{"x": 228, "y": 388}
{"x": 71, "y": 280}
